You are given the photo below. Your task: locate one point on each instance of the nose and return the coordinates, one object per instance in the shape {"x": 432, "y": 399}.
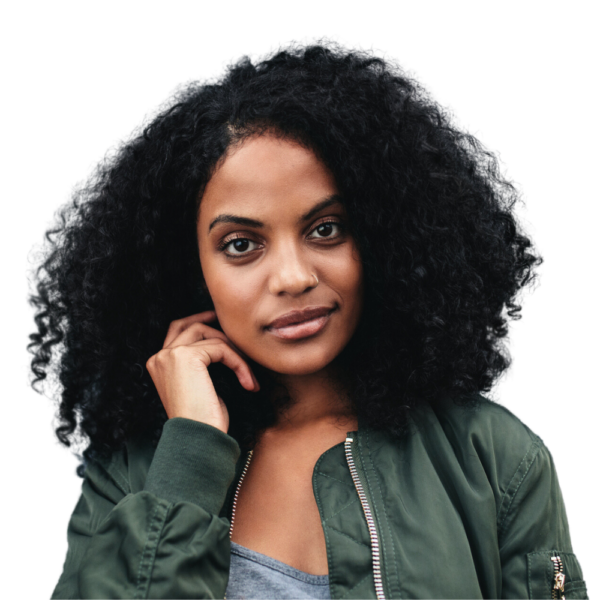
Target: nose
{"x": 291, "y": 272}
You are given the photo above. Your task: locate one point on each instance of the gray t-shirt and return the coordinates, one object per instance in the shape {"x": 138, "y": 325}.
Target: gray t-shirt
{"x": 255, "y": 575}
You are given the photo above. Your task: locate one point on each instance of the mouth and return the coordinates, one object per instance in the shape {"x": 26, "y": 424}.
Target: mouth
{"x": 296, "y": 325}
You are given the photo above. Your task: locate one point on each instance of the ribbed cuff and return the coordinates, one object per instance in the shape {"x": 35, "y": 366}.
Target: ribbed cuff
{"x": 193, "y": 462}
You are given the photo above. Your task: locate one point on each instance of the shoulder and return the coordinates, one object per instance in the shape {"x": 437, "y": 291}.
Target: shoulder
{"x": 487, "y": 437}
{"x": 490, "y": 422}
{"x": 482, "y": 421}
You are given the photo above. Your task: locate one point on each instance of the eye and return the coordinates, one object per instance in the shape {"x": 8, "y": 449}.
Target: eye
{"x": 328, "y": 229}
{"x": 240, "y": 243}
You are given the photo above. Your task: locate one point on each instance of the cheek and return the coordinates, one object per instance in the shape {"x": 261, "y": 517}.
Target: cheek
{"x": 346, "y": 275}
{"x": 233, "y": 298}
{"x": 350, "y": 281}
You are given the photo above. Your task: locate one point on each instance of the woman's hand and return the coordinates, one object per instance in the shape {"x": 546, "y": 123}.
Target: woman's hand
{"x": 180, "y": 370}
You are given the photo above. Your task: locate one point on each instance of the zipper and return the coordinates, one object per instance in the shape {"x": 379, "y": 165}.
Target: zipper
{"x": 237, "y": 491}
{"x": 370, "y": 521}
{"x": 559, "y": 578}
{"x": 363, "y": 501}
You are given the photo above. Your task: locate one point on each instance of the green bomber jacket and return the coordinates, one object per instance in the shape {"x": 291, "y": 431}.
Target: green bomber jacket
{"x": 468, "y": 505}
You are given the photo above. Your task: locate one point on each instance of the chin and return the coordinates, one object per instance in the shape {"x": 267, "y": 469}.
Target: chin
{"x": 304, "y": 362}
{"x": 299, "y": 370}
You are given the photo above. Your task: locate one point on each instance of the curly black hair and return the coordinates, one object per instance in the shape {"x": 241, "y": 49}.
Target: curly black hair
{"x": 444, "y": 256}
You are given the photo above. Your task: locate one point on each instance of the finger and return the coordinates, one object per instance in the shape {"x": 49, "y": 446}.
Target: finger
{"x": 196, "y": 332}
{"x": 239, "y": 353}
{"x": 176, "y": 327}
{"x": 212, "y": 351}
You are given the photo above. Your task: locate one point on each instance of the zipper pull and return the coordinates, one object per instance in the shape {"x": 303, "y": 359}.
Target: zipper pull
{"x": 559, "y": 578}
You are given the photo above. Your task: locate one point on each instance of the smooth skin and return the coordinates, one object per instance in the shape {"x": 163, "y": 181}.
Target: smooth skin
{"x": 272, "y": 237}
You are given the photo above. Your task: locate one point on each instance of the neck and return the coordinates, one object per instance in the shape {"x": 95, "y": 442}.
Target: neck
{"x": 317, "y": 398}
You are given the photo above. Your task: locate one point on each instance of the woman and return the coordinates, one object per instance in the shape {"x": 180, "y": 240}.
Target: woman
{"x": 279, "y": 306}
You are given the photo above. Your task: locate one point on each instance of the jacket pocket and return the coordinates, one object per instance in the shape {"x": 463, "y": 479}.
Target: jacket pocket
{"x": 555, "y": 574}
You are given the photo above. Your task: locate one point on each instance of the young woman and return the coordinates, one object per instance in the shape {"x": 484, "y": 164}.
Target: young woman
{"x": 277, "y": 309}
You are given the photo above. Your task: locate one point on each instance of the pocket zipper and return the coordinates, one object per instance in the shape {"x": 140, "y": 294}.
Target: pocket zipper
{"x": 559, "y": 578}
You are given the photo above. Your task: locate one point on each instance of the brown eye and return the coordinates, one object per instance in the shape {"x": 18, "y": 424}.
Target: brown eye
{"x": 325, "y": 230}
{"x": 238, "y": 246}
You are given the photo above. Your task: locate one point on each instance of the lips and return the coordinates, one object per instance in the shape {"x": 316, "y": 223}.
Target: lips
{"x": 300, "y": 316}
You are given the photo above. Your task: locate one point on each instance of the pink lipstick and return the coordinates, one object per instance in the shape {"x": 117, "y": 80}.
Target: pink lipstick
{"x": 300, "y": 330}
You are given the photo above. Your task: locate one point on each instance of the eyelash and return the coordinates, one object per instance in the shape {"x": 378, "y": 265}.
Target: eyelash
{"x": 226, "y": 242}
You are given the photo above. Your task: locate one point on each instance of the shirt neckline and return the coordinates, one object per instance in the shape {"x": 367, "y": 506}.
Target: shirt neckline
{"x": 276, "y": 565}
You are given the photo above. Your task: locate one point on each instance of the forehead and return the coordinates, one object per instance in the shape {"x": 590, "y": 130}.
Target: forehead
{"x": 266, "y": 174}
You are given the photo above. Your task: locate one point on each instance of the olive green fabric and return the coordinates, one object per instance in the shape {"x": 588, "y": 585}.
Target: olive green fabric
{"x": 466, "y": 506}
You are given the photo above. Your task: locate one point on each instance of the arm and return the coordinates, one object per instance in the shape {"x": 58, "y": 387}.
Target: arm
{"x": 532, "y": 528}
{"x": 165, "y": 541}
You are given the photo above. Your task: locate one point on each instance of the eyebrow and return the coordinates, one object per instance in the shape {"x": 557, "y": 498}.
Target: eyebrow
{"x": 334, "y": 199}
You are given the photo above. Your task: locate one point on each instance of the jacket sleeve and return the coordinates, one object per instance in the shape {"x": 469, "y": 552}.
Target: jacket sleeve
{"x": 533, "y": 528}
{"x": 164, "y": 541}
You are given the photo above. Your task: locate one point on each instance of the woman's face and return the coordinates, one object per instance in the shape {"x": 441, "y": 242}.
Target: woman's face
{"x": 272, "y": 240}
